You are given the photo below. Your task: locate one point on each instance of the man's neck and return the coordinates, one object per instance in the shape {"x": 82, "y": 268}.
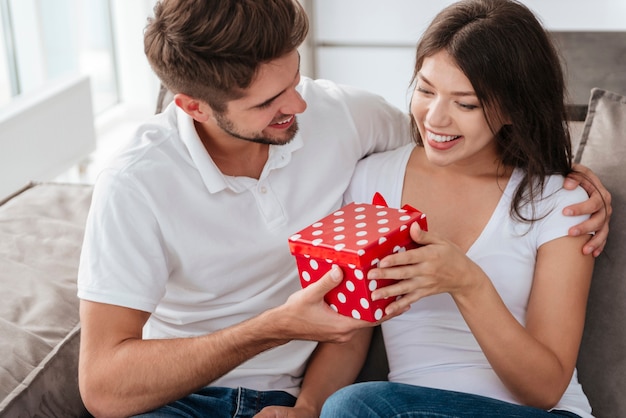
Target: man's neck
{"x": 234, "y": 157}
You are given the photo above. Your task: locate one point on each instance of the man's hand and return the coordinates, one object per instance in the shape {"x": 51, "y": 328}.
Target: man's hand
{"x": 598, "y": 206}
{"x": 285, "y": 412}
{"x": 337, "y": 359}
{"x": 306, "y": 316}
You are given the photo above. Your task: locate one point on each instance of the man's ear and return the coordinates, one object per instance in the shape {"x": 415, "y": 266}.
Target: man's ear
{"x": 197, "y": 109}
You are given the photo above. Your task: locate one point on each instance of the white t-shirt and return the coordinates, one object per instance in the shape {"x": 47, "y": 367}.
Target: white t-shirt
{"x": 431, "y": 345}
{"x": 169, "y": 234}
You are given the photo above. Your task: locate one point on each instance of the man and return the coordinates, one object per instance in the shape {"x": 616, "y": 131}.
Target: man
{"x": 190, "y": 299}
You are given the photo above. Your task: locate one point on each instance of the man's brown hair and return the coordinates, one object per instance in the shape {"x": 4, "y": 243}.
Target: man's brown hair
{"x": 212, "y": 49}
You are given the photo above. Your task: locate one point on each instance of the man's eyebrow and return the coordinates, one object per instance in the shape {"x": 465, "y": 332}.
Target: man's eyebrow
{"x": 454, "y": 93}
{"x": 268, "y": 101}
{"x": 271, "y": 99}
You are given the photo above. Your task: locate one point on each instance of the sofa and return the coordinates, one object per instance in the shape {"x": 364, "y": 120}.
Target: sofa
{"x": 41, "y": 229}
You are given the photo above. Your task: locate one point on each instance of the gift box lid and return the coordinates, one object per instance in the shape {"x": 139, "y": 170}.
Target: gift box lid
{"x": 358, "y": 234}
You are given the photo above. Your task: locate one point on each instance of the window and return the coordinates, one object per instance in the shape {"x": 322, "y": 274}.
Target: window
{"x": 5, "y": 64}
{"x": 42, "y": 40}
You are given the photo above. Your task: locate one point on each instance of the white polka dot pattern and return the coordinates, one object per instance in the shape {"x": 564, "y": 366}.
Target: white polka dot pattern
{"x": 356, "y": 238}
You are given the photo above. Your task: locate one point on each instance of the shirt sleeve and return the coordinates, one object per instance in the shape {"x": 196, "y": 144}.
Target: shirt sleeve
{"x": 379, "y": 124}
{"x": 554, "y": 224}
{"x": 123, "y": 261}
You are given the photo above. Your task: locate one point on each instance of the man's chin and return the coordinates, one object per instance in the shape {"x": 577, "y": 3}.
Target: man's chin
{"x": 287, "y": 136}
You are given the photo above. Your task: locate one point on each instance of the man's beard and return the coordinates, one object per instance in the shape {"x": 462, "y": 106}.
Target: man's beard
{"x": 227, "y": 126}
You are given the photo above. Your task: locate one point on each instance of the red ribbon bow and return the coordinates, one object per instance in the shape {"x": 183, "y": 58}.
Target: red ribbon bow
{"x": 379, "y": 200}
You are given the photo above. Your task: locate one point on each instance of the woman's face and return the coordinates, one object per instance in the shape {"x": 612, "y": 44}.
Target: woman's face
{"x": 449, "y": 116}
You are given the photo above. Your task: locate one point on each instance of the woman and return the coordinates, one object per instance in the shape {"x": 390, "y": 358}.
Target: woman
{"x": 495, "y": 298}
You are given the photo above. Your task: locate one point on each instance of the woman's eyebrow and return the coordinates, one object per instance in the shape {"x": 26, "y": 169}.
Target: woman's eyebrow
{"x": 453, "y": 93}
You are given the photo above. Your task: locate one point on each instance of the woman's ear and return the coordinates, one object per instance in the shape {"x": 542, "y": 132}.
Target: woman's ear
{"x": 197, "y": 109}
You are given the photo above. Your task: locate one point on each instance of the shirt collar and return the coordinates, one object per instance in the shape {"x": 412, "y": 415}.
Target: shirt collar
{"x": 211, "y": 175}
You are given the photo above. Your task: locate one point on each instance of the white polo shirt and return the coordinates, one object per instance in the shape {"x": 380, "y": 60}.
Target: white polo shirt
{"x": 169, "y": 234}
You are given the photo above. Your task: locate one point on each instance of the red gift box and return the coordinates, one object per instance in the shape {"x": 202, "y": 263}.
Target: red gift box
{"x": 356, "y": 238}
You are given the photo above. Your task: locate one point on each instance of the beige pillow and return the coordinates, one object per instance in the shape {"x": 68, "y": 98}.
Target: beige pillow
{"x": 41, "y": 232}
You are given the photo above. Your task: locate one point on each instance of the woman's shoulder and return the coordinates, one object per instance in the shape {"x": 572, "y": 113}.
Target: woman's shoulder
{"x": 553, "y": 189}
{"x": 549, "y": 198}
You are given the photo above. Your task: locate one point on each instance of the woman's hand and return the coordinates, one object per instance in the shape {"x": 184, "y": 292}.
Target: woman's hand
{"x": 438, "y": 266}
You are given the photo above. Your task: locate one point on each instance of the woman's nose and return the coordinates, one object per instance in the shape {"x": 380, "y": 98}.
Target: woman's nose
{"x": 438, "y": 114}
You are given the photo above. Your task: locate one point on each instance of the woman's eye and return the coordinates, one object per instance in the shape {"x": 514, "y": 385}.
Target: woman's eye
{"x": 468, "y": 106}
{"x": 423, "y": 90}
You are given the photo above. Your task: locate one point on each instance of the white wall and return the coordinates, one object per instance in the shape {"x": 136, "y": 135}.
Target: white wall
{"x": 370, "y": 43}
{"x": 367, "y": 43}
{"x": 402, "y": 21}
{"x": 580, "y": 15}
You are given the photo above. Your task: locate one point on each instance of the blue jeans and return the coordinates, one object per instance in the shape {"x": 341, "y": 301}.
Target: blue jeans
{"x": 389, "y": 400}
{"x": 218, "y": 402}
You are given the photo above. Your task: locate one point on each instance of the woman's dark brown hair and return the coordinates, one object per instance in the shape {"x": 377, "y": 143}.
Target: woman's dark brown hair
{"x": 516, "y": 73}
{"x": 212, "y": 49}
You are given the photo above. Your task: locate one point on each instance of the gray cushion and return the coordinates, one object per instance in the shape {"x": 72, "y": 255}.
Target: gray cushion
{"x": 41, "y": 232}
{"x": 602, "y": 359}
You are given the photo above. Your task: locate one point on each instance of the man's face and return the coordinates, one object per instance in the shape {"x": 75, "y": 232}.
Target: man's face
{"x": 267, "y": 112}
